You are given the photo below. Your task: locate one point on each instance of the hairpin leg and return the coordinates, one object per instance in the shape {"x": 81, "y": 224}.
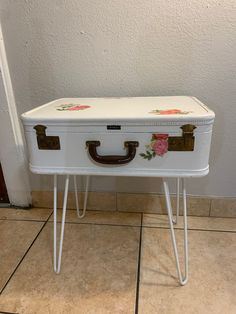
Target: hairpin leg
{"x": 182, "y": 278}
{"x": 85, "y": 197}
{"x": 57, "y": 258}
{"x": 175, "y": 220}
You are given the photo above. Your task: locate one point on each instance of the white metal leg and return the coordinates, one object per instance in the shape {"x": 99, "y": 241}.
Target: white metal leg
{"x": 182, "y": 278}
{"x": 55, "y": 223}
{"x": 85, "y": 197}
{"x": 177, "y": 200}
{"x": 175, "y": 220}
{"x": 57, "y": 258}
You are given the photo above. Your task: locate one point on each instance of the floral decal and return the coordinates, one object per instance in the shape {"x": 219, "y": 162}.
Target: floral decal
{"x": 72, "y": 107}
{"x": 169, "y": 111}
{"x": 157, "y": 147}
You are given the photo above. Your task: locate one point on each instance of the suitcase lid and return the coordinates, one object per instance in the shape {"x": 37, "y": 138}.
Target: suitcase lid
{"x": 174, "y": 110}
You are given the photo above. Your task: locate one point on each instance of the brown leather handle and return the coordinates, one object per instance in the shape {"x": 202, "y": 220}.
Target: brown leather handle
{"x": 112, "y": 159}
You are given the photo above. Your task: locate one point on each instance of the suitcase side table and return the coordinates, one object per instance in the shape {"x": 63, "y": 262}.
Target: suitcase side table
{"x": 165, "y": 137}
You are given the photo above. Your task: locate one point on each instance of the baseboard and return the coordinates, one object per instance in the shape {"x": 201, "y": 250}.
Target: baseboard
{"x": 140, "y": 202}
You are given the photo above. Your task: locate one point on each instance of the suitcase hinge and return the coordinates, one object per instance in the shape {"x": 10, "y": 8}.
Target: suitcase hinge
{"x": 44, "y": 141}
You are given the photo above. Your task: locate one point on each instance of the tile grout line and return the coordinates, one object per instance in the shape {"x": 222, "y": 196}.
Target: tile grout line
{"x": 191, "y": 229}
{"x": 139, "y": 264}
{"x": 25, "y": 220}
{"x": 221, "y": 217}
{"x": 122, "y": 212}
{"x": 98, "y": 224}
{"x": 21, "y": 260}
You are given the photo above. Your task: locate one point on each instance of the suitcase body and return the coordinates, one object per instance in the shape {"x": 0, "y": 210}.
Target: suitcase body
{"x": 130, "y": 136}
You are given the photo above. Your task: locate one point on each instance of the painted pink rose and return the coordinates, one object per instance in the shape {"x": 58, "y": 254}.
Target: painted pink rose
{"x": 78, "y": 108}
{"x": 160, "y": 146}
{"x": 170, "y": 111}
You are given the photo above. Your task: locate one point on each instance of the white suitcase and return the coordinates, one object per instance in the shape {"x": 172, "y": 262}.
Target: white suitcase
{"x": 144, "y": 136}
{"x": 141, "y": 136}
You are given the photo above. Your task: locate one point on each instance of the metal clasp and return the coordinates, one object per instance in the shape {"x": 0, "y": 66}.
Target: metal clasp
{"x": 44, "y": 141}
{"x": 184, "y": 142}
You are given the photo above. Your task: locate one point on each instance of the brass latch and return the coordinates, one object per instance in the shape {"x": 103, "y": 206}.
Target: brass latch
{"x": 185, "y": 142}
{"x": 44, "y": 141}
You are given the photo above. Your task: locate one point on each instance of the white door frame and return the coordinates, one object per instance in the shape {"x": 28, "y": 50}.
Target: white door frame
{"x": 12, "y": 146}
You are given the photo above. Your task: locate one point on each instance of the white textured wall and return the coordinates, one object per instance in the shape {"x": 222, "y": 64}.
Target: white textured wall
{"x": 87, "y": 48}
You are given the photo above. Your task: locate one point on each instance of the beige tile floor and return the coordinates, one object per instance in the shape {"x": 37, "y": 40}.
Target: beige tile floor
{"x": 114, "y": 262}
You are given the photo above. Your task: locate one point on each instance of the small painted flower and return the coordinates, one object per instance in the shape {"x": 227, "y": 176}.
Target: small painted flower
{"x": 160, "y": 136}
{"x": 78, "y": 108}
{"x": 72, "y": 107}
{"x": 158, "y": 146}
{"x": 169, "y": 111}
